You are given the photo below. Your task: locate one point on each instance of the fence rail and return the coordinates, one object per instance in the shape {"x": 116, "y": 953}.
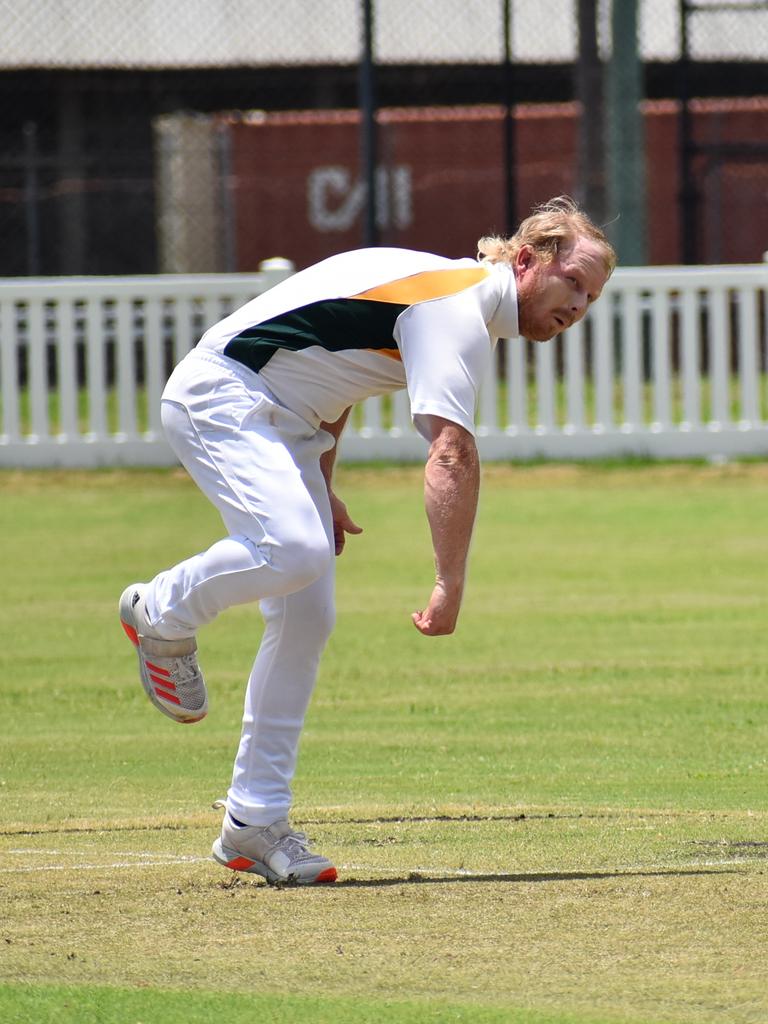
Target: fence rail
{"x": 671, "y": 363}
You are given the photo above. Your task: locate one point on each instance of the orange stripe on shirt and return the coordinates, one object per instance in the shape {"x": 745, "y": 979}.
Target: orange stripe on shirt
{"x": 431, "y": 284}
{"x": 390, "y": 353}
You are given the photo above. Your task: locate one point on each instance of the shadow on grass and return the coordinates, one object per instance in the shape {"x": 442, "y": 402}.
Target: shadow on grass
{"x": 416, "y": 878}
{"x": 493, "y": 878}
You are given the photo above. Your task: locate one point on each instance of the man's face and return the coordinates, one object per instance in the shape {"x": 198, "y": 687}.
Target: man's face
{"x": 552, "y": 296}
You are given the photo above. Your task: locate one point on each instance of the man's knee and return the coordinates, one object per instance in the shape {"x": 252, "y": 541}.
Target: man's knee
{"x": 301, "y": 562}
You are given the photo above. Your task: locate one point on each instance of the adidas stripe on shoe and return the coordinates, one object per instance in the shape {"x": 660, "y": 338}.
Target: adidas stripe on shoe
{"x": 275, "y": 852}
{"x": 169, "y": 671}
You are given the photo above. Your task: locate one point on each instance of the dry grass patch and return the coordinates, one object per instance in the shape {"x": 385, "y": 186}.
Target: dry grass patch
{"x": 646, "y": 917}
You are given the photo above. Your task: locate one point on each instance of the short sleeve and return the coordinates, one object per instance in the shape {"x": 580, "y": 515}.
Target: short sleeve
{"x": 446, "y": 351}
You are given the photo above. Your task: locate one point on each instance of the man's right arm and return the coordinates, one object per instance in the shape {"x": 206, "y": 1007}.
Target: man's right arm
{"x": 451, "y": 488}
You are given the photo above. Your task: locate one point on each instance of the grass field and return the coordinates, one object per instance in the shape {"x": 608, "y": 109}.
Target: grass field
{"x": 557, "y": 816}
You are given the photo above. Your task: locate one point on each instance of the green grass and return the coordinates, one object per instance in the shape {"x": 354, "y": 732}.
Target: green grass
{"x": 557, "y": 816}
{"x": 71, "y": 1005}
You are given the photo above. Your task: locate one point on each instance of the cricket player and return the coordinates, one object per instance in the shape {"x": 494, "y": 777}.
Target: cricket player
{"x": 255, "y": 411}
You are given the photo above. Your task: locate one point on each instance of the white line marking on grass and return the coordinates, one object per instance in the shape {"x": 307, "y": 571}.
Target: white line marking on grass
{"x": 118, "y": 853}
{"x": 148, "y": 861}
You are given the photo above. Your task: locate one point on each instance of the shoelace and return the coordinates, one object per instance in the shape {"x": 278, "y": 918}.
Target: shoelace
{"x": 295, "y": 839}
{"x": 189, "y": 686}
{"x": 186, "y": 668}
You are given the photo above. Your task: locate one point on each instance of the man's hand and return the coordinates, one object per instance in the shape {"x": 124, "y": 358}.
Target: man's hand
{"x": 341, "y": 522}
{"x": 440, "y": 615}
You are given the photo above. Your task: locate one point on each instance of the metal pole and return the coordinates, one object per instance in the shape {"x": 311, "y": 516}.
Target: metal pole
{"x": 71, "y": 204}
{"x": 367, "y": 95}
{"x": 687, "y": 194}
{"x": 626, "y": 150}
{"x": 590, "y": 188}
{"x": 31, "y": 199}
{"x": 228, "y": 233}
{"x": 510, "y": 175}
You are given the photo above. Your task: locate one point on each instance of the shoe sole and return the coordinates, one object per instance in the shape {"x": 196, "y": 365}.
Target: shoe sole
{"x": 237, "y": 862}
{"x": 132, "y": 633}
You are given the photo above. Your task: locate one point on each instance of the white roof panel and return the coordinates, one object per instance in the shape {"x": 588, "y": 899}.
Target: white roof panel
{"x": 230, "y": 33}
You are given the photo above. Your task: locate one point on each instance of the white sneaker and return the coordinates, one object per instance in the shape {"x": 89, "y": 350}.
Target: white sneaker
{"x": 169, "y": 671}
{"x": 274, "y": 851}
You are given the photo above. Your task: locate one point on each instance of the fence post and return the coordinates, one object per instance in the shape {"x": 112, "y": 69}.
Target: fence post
{"x": 274, "y": 270}
{"x": 749, "y": 373}
{"x": 632, "y": 344}
{"x": 37, "y": 368}
{"x": 603, "y": 366}
{"x": 719, "y": 353}
{"x": 517, "y": 386}
{"x": 9, "y": 370}
{"x": 689, "y": 354}
{"x": 575, "y": 373}
{"x": 662, "y": 407}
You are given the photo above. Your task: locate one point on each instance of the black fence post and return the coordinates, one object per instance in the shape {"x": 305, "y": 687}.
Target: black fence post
{"x": 31, "y": 199}
{"x": 688, "y": 197}
{"x": 367, "y": 94}
{"x": 510, "y": 172}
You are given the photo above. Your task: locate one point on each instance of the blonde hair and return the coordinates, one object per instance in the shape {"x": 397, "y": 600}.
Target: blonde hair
{"x": 551, "y": 227}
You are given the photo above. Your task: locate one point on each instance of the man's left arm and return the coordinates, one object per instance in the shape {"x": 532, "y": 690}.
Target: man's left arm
{"x": 451, "y": 487}
{"x": 342, "y": 524}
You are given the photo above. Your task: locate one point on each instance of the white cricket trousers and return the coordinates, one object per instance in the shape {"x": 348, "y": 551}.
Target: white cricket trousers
{"x": 258, "y": 463}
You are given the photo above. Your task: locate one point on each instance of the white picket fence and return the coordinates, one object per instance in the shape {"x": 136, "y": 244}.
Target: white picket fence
{"x": 671, "y": 363}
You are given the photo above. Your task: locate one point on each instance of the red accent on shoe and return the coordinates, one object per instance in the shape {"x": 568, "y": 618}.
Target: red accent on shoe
{"x": 131, "y": 633}
{"x": 329, "y": 875}
{"x": 156, "y": 668}
{"x": 167, "y": 683}
{"x": 167, "y": 696}
{"x": 240, "y": 863}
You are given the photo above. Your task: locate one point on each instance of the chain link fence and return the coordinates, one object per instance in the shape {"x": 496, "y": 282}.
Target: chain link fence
{"x": 211, "y": 135}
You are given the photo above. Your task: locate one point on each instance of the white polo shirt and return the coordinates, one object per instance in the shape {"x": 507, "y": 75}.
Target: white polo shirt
{"x": 373, "y": 321}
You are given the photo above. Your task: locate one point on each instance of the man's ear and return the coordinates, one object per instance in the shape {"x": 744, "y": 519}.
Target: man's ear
{"x": 524, "y": 258}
